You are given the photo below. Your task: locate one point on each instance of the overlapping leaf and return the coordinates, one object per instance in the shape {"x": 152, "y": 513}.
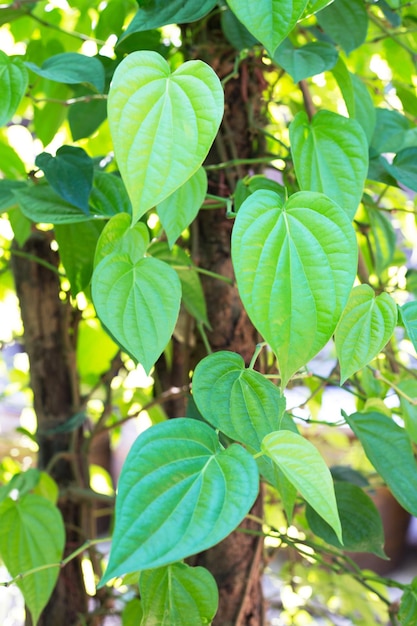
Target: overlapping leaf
{"x": 308, "y": 60}
{"x": 162, "y": 124}
{"x": 295, "y": 264}
{"x": 13, "y": 85}
{"x": 365, "y": 327}
{"x": 331, "y": 156}
{"x": 41, "y": 204}
{"x": 179, "y": 493}
{"x": 345, "y": 21}
{"x": 72, "y": 68}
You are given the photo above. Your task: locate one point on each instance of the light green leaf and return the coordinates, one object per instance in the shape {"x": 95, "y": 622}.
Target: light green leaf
{"x": 331, "y": 156}
{"x": 42, "y": 205}
{"x": 295, "y": 264}
{"x": 133, "y": 612}
{"x": 26, "y": 542}
{"x": 361, "y": 522}
{"x": 269, "y": 21}
{"x": 366, "y": 325}
{"x": 108, "y": 196}
{"x": 119, "y": 236}
{"x": 162, "y": 124}
{"x": 13, "y": 85}
{"x": 306, "y": 61}
{"x": 95, "y": 350}
{"x": 345, "y": 21}
{"x": 179, "y": 209}
{"x": 138, "y": 301}
{"x": 303, "y": 465}
{"x": 72, "y": 68}
{"x": 178, "y": 594}
{"x": 179, "y": 493}
{"x": 380, "y": 240}
{"x": 314, "y": 6}
{"x": 388, "y": 448}
{"x": 409, "y": 318}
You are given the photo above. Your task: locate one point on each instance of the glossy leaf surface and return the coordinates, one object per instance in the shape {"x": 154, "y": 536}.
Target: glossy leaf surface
{"x": 72, "y": 68}
{"x": 295, "y": 264}
{"x": 162, "y": 124}
{"x": 179, "y": 493}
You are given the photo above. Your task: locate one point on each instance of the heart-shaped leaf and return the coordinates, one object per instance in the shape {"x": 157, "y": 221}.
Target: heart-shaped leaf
{"x": 179, "y": 493}
{"x": 330, "y": 155}
{"x": 269, "y": 21}
{"x": 305, "y": 468}
{"x": 295, "y": 264}
{"x": 13, "y": 85}
{"x": 162, "y": 124}
{"x": 119, "y": 236}
{"x": 365, "y": 327}
{"x": 306, "y": 61}
{"x": 26, "y": 542}
{"x": 173, "y": 592}
{"x": 139, "y": 302}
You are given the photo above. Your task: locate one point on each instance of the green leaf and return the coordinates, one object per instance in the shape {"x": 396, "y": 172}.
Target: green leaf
{"x": 138, "y": 301}
{"x": 234, "y": 31}
{"x": 407, "y": 613}
{"x": 179, "y": 209}
{"x": 404, "y": 167}
{"x": 72, "y": 68}
{"x": 269, "y": 21}
{"x": 345, "y": 21}
{"x": 132, "y": 613}
{"x": 295, "y": 264}
{"x": 95, "y": 350}
{"x": 13, "y": 85}
{"x": 366, "y": 325}
{"x": 159, "y": 13}
{"x": 85, "y": 117}
{"x": 305, "y": 468}
{"x": 42, "y": 205}
{"x": 179, "y": 493}
{"x": 178, "y": 593}
{"x": 331, "y": 156}
{"x": 7, "y": 197}
{"x": 11, "y": 165}
{"x": 390, "y": 131}
{"x": 162, "y": 124}
{"x": 314, "y": 6}
{"x": 108, "y": 196}
{"x": 409, "y": 410}
{"x": 388, "y": 448}
{"x": 70, "y": 174}
{"x": 26, "y": 542}
{"x": 409, "y": 318}
{"x": 380, "y": 238}
{"x": 77, "y": 243}
{"x": 119, "y": 236}
{"x": 361, "y": 522}
{"x": 306, "y": 61}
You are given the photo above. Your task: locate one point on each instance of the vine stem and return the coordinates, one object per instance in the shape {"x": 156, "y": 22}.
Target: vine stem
{"x": 32, "y": 257}
{"x": 61, "y": 30}
{"x": 258, "y": 349}
{"x": 377, "y": 374}
{"x": 86, "y": 545}
{"x": 201, "y": 270}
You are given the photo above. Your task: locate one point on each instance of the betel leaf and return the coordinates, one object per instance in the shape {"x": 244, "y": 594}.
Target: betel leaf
{"x": 388, "y": 448}
{"x": 13, "y": 85}
{"x": 7, "y": 197}
{"x": 345, "y": 21}
{"x": 70, "y": 174}
{"x": 138, "y": 301}
{"x": 314, "y": 6}
{"x": 162, "y": 124}
{"x": 178, "y": 594}
{"x": 366, "y": 325}
{"x": 269, "y": 21}
{"x": 361, "y": 522}
{"x": 234, "y": 31}
{"x": 159, "y": 13}
{"x": 42, "y": 205}
{"x": 390, "y": 131}
{"x": 295, "y": 264}
{"x": 179, "y": 209}
{"x": 407, "y": 613}
{"x": 26, "y": 542}
{"x": 306, "y": 61}
{"x": 409, "y": 318}
{"x": 108, "y": 196}
{"x": 330, "y": 155}
{"x": 305, "y": 468}
{"x": 72, "y": 68}
{"x": 179, "y": 493}
{"x": 119, "y": 236}
{"x": 404, "y": 167}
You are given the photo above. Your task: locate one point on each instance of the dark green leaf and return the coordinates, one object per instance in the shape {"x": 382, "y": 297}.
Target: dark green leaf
{"x": 346, "y": 21}
{"x": 109, "y": 196}
{"x": 390, "y": 131}
{"x": 235, "y": 31}
{"x": 306, "y": 61}
{"x": 404, "y": 168}
{"x": 42, "y": 205}
{"x": 85, "y": 117}
{"x": 72, "y": 68}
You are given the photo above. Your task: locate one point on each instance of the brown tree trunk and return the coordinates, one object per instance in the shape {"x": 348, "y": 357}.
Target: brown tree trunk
{"x": 50, "y": 344}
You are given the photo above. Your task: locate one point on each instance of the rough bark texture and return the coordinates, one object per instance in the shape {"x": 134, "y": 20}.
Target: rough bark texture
{"x": 49, "y": 342}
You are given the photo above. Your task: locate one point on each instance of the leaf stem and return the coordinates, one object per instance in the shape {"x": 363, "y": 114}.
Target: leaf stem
{"x": 258, "y": 349}
{"x": 377, "y": 374}
{"x": 36, "y": 259}
{"x": 70, "y": 33}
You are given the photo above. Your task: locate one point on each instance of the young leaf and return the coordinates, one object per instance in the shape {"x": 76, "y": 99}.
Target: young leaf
{"x": 162, "y": 124}
{"x": 361, "y": 522}
{"x": 295, "y": 264}
{"x": 178, "y": 594}
{"x": 180, "y": 208}
{"x": 305, "y": 468}
{"x": 331, "y": 156}
{"x": 388, "y": 448}
{"x": 345, "y": 21}
{"x": 70, "y": 174}
{"x": 26, "y": 542}
{"x": 365, "y": 327}
{"x": 119, "y": 236}
{"x": 268, "y": 21}
{"x": 72, "y": 68}
{"x": 179, "y": 493}
{"x": 306, "y": 61}
{"x": 13, "y": 85}
{"x": 138, "y": 301}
